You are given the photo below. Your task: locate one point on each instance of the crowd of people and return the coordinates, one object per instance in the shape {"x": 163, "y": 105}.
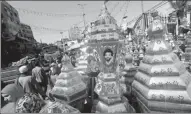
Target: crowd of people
{"x": 32, "y": 88}
{"x": 35, "y": 82}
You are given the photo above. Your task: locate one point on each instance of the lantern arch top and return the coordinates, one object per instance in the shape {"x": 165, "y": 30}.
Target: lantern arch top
{"x": 105, "y": 17}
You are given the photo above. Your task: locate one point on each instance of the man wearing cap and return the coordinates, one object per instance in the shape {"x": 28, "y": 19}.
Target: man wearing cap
{"x": 24, "y": 80}
{"x": 27, "y": 82}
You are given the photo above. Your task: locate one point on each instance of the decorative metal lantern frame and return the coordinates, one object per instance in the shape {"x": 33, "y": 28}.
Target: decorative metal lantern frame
{"x": 100, "y": 47}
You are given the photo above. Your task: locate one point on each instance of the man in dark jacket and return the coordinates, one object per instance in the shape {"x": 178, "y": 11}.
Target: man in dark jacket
{"x": 182, "y": 47}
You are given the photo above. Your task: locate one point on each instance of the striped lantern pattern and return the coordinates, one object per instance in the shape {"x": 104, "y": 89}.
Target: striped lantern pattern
{"x": 162, "y": 83}
{"x": 81, "y": 66}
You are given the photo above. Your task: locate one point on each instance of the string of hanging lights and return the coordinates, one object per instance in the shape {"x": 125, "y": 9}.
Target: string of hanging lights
{"x": 34, "y": 27}
{"x": 27, "y": 11}
{"x": 38, "y": 13}
{"x": 153, "y": 8}
{"x": 125, "y": 13}
{"x": 114, "y": 7}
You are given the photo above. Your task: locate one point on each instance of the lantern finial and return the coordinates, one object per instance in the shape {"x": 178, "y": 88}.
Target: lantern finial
{"x": 154, "y": 13}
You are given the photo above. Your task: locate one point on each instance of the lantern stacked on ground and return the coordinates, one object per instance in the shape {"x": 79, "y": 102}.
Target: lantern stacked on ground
{"x": 188, "y": 49}
{"x": 162, "y": 83}
{"x": 82, "y": 61}
{"x": 56, "y": 107}
{"x": 69, "y": 87}
{"x": 128, "y": 73}
{"x": 105, "y": 41}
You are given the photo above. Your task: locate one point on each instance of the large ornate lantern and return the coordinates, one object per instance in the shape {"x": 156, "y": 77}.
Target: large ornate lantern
{"x": 162, "y": 83}
{"x": 105, "y": 42}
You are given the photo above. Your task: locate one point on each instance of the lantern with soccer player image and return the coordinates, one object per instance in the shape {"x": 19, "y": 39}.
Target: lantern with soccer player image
{"x": 106, "y": 43}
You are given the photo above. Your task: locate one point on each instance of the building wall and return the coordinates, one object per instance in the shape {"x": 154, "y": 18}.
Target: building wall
{"x": 10, "y": 21}
{"x": 26, "y": 33}
{"x": 74, "y": 33}
{"x": 25, "y": 36}
{"x": 59, "y": 44}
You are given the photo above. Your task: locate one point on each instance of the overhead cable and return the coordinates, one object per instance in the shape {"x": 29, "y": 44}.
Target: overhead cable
{"x": 153, "y": 8}
{"x": 128, "y": 1}
{"x": 49, "y": 29}
{"x": 114, "y": 7}
{"x": 120, "y": 9}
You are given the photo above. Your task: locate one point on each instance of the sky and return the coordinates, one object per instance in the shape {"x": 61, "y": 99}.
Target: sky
{"x": 74, "y": 15}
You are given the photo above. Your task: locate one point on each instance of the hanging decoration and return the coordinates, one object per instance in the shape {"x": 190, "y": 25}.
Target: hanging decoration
{"x": 34, "y": 27}
{"x": 26, "y": 11}
{"x": 178, "y": 4}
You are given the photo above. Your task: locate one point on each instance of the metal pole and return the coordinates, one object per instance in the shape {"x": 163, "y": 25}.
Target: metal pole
{"x": 62, "y": 40}
{"x": 142, "y": 6}
{"x": 61, "y": 34}
{"x": 82, "y": 7}
{"x": 92, "y": 89}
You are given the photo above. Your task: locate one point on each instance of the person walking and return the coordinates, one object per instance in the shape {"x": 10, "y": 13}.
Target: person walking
{"x": 41, "y": 77}
{"x": 28, "y": 83}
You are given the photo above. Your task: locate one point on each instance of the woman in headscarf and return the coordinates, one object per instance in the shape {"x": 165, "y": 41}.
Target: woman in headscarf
{"x": 11, "y": 93}
{"x": 28, "y": 83}
{"x": 40, "y": 76}
{"x": 54, "y": 72}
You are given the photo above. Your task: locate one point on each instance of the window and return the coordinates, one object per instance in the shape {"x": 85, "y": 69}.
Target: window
{"x": 18, "y": 46}
{"x": 3, "y": 25}
{"x": 103, "y": 30}
{"x": 11, "y": 14}
{"x": 12, "y": 19}
{"x": 5, "y": 8}
{"x": 15, "y": 15}
{"x": 5, "y": 35}
{"x": 13, "y": 28}
{"x": 111, "y": 29}
{"x": 103, "y": 35}
{"x": 111, "y": 34}
{"x": 17, "y": 22}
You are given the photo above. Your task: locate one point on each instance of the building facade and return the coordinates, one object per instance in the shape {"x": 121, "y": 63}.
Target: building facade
{"x": 10, "y": 21}
{"x": 59, "y": 44}
{"x": 26, "y": 33}
{"x": 25, "y": 37}
{"x": 74, "y": 33}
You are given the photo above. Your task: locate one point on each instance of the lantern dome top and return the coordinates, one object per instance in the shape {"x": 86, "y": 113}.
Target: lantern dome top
{"x": 105, "y": 17}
